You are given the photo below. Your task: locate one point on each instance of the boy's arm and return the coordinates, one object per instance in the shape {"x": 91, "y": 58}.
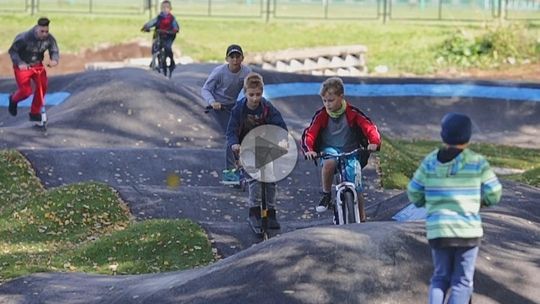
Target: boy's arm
{"x": 416, "y": 189}
{"x": 233, "y": 127}
{"x": 275, "y": 117}
{"x": 209, "y": 87}
{"x": 491, "y": 188}
{"x": 150, "y": 24}
{"x": 309, "y": 136}
{"x": 17, "y": 45}
{"x": 54, "y": 52}
{"x": 175, "y": 26}
{"x": 369, "y": 129}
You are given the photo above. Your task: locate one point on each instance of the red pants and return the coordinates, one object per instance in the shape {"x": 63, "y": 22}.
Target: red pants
{"x": 36, "y": 73}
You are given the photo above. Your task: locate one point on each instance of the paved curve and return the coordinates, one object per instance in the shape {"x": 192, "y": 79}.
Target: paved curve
{"x": 131, "y": 128}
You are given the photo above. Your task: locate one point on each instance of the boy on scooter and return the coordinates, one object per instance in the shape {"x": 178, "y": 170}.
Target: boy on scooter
{"x": 250, "y": 112}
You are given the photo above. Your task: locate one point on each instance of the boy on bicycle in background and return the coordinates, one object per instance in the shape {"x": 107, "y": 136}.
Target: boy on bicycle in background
{"x": 221, "y": 91}
{"x": 250, "y": 112}
{"x": 335, "y": 128}
{"x": 166, "y": 27}
{"x": 453, "y": 182}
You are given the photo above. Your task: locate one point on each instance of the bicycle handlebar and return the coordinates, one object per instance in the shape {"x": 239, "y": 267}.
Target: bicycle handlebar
{"x": 325, "y": 155}
{"x": 147, "y": 30}
{"x": 209, "y": 108}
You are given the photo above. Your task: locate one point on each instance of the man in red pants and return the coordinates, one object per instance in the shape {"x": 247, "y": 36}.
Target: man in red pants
{"x": 27, "y": 52}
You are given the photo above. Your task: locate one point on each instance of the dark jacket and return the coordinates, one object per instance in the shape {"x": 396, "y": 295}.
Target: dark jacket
{"x": 166, "y": 23}
{"x": 239, "y": 125}
{"x": 28, "y": 49}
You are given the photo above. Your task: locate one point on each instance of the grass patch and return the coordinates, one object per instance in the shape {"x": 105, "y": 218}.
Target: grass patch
{"x": 400, "y": 158}
{"x": 493, "y": 47}
{"x": 198, "y": 37}
{"x": 84, "y": 227}
{"x": 530, "y": 177}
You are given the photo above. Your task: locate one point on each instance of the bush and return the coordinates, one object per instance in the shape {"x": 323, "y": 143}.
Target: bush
{"x": 500, "y": 44}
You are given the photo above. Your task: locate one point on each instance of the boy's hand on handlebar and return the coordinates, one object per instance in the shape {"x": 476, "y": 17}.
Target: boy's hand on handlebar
{"x": 372, "y": 147}
{"x": 235, "y": 148}
{"x": 145, "y": 29}
{"x": 311, "y": 155}
{"x": 164, "y": 31}
{"x": 216, "y": 105}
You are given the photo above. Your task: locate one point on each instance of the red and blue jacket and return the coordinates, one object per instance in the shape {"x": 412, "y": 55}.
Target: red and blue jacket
{"x": 164, "y": 22}
{"x": 364, "y": 129}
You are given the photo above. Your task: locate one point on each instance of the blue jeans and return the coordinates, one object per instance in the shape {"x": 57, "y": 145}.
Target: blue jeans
{"x": 454, "y": 269}
{"x": 222, "y": 117}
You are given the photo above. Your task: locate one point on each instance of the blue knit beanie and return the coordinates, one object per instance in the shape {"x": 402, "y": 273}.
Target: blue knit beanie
{"x": 456, "y": 129}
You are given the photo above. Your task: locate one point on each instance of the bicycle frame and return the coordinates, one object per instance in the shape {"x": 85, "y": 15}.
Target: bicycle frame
{"x": 159, "y": 56}
{"x": 342, "y": 187}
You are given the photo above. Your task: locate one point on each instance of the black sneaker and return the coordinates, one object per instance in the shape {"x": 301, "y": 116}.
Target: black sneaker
{"x": 254, "y": 217}
{"x": 35, "y": 117}
{"x": 12, "y": 106}
{"x": 272, "y": 219}
{"x": 325, "y": 202}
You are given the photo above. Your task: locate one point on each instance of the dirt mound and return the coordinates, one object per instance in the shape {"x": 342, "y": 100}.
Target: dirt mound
{"x": 74, "y": 63}
{"x": 378, "y": 262}
{"x": 123, "y": 107}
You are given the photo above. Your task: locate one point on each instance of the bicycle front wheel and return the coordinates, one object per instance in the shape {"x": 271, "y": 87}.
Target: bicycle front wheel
{"x": 348, "y": 207}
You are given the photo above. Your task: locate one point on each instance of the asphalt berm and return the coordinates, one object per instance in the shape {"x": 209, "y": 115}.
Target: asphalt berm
{"x": 146, "y": 127}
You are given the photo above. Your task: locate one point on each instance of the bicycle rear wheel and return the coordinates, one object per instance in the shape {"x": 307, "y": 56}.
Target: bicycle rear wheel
{"x": 348, "y": 207}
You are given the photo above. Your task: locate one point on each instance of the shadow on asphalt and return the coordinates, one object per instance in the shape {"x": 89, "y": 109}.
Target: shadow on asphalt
{"x": 130, "y": 128}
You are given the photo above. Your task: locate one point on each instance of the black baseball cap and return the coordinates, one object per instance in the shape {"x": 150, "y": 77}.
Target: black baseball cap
{"x": 234, "y": 48}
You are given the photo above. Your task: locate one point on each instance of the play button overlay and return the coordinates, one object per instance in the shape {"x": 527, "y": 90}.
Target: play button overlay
{"x": 268, "y": 153}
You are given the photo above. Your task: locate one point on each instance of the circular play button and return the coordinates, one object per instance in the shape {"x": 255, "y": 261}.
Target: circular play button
{"x": 268, "y": 153}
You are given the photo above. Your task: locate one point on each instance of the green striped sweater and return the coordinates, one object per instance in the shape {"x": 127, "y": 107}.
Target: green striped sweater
{"x": 452, "y": 193}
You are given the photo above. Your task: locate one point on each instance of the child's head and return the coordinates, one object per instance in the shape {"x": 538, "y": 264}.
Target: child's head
{"x": 253, "y": 89}
{"x": 456, "y": 129}
{"x": 166, "y": 6}
{"x": 234, "y": 57}
{"x": 332, "y": 91}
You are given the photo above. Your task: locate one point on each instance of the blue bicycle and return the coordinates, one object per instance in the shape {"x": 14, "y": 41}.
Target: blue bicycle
{"x": 349, "y": 206}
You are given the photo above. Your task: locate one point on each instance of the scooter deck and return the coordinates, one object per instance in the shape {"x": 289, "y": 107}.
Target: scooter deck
{"x": 230, "y": 183}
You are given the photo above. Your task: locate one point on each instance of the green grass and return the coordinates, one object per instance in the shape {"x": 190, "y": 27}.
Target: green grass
{"x": 400, "y": 158}
{"x": 530, "y": 177}
{"x": 403, "y": 47}
{"x": 85, "y": 227}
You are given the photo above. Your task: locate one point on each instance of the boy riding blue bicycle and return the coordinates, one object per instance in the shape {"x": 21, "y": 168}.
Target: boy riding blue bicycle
{"x": 339, "y": 127}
